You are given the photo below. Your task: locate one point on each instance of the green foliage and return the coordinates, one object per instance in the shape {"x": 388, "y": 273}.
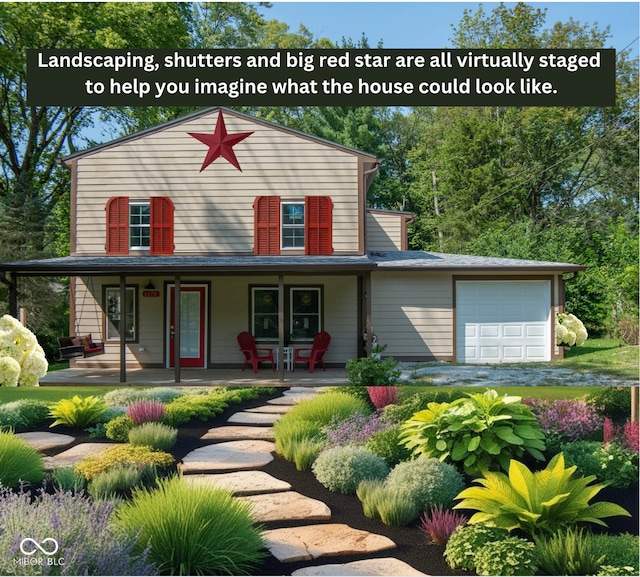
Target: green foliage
{"x": 536, "y": 503}
{"x": 359, "y": 392}
{"x": 118, "y": 455}
{"x": 467, "y": 540}
{"x": 612, "y": 402}
{"x": 395, "y": 510}
{"x": 611, "y": 570}
{"x": 67, "y": 479}
{"x": 202, "y": 407}
{"x": 371, "y": 492}
{"x": 583, "y": 454}
{"x": 619, "y": 550}
{"x": 78, "y": 412}
{"x": 306, "y": 452}
{"x": 341, "y": 469}
{"x": 123, "y": 397}
{"x": 23, "y": 414}
{"x": 510, "y": 556}
{"x": 411, "y": 402}
{"x": 291, "y": 434}
{"x": 192, "y": 530}
{"x": 387, "y": 445}
{"x": 118, "y": 429}
{"x": 373, "y": 371}
{"x": 119, "y": 481}
{"x": 427, "y": 482}
{"x": 611, "y": 462}
{"x": 481, "y": 432}
{"x": 155, "y": 435}
{"x": 19, "y": 462}
{"x": 567, "y": 552}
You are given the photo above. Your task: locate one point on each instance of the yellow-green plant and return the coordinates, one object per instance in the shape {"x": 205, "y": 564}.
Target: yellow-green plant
{"x": 77, "y": 412}
{"x": 141, "y": 457}
{"x": 19, "y": 461}
{"x": 536, "y": 503}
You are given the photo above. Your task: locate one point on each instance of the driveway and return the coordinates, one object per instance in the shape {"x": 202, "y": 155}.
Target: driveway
{"x": 497, "y": 375}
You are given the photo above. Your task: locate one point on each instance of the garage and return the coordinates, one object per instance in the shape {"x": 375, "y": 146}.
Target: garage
{"x": 501, "y": 321}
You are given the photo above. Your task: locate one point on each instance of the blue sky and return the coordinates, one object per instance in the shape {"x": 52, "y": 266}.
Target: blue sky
{"x": 428, "y": 24}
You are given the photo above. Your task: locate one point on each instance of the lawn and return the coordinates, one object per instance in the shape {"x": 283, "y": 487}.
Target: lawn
{"x": 607, "y": 356}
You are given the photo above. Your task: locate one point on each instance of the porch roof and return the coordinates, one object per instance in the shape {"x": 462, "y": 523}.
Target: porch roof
{"x": 260, "y": 264}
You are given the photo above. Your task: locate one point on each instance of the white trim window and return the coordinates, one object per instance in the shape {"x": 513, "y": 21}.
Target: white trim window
{"x": 292, "y": 225}
{"x": 139, "y": 225}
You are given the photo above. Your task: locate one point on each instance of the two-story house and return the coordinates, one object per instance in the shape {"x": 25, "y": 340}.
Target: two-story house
{"x": 220, "y": 222}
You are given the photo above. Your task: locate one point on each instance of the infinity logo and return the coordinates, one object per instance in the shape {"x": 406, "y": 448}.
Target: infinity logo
{"x": 35, "y": 546}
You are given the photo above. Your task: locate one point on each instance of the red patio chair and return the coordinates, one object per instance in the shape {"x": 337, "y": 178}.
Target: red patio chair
{"x": 315, "y": 354}
{"x": 251, "y": 354}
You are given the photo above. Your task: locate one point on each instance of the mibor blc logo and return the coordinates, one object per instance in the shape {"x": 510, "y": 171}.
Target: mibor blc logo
{"x": 34, "y": 551}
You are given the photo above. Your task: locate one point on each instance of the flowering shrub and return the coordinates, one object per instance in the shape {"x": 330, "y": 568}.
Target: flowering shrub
{"x": 618, "y": 465}
{"x": 356, "y": 429}
{"x": 89, "y": 544}
{"x": 570, "y": 330}
{"x": 626, "y": 434}
{"x": 439, "y": 524}
{"x": 383, "y": 396}
{"x": 566, "y": 419}
{"x": 22, "y": 360}
{"x": 144, "y": 411}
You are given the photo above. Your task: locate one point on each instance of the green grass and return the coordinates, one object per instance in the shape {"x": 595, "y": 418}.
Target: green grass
{"x": 607, "y": 356}
{"x": 550, "y": 392}
{"x": 50, "y": 394}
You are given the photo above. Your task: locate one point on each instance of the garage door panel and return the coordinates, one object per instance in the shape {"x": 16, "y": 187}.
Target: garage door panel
{"x": 500, "y": 321}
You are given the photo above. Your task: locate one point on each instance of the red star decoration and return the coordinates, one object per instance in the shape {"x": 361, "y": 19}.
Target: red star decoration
{"x": 220, "y": 143}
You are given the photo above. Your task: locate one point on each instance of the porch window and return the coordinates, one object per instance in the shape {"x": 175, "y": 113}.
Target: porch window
{"x": 264, "y": 313}
{"x": 304, "y": 310}
{"x": 116, "y": 313}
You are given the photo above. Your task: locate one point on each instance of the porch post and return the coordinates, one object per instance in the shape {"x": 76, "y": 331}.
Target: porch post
{"x": 176, "y": 328}
{"x": 12, "y": 283}
{"x": 367, "y": 305}
{"x": 123, "y": 332}
{"x": 281, "y": 328}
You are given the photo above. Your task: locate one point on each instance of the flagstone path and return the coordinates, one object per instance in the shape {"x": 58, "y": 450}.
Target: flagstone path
{"x": 233, "y": 460}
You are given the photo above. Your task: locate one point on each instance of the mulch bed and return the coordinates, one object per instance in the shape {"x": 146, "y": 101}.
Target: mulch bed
{"x": 412, "y": 545}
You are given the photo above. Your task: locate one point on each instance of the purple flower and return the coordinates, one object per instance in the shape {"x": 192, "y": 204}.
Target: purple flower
{"x": 145, "y": 411}
{"x": 572, "y": 419}
{"x": 440, "y": 523}
{"x": 354, "y": 430}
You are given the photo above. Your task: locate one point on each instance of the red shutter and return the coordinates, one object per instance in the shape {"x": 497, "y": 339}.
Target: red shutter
{"x": 318, "y": 228}
{"x": 161, "y": 225}
{"x": 118, "y": 225}
{"x": 266, "y": 225}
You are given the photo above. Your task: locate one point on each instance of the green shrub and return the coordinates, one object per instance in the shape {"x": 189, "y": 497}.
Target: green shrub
{"x": 396, "y": 510}
{"x": 584, "y": 455}
{"x": 567, "y": 552}
{"x": 155, "y": 435}
{"x": 341, "y": 469}
{"x": 427, "y": 482}
{"x": 23, "y": 414}
{"x": 78, "y": 412}
{"x": 118, "y": 429}
{"x": 202, "y": 407}
{"x": 612, "y": 402}
{"x": 358, "y": 392}
{"x": 466, "y": 540}
{"x": 19, "y": 462}
{"x": 192, "y": 530}
{"x": 386, "y": 444}
{"x": 611, "y": 570}
{"x": 618, "y": 550}
{"x": 118, "y": 455}
{"x": 306, "y": 452}
{"x": 371, "y": 492}
{"x": 511, "y": 556}
{"x": 481, "y": 432}
{"x": 609, "y": 462}
{"x": 123, "y": 397}
{"x": 290, "y": 433}
{"x": 119, "y": 481}
{"x": 373, "y": 371}
{"x": 537, "y": 503}
{"x": 66, "y": 479}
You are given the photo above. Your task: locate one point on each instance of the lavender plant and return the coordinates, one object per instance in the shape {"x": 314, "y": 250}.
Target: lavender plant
{"x": 144, "y": 411}
{"x": 356, "y": 429}
{"x": 88, "y": 542}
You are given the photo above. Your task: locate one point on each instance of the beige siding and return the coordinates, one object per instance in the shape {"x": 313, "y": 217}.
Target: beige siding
{"x": 413, "y": 313}
{"x": 213, "y": 208}
{"x": 384, "y": 231}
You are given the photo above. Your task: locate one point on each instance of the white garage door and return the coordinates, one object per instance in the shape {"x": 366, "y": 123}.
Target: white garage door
{"x": 503, "y": 321}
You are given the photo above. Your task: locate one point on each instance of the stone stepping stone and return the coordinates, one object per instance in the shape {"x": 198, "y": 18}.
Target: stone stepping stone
{"x": 237, "y": 432}
{"x": 74, "y": 455}
{"x": 245, "y": 418}
{"x": 313, "y": 541}
{"x": 246, "y": 454}
{"x": 289, "y": 506}
{"x": 385, "y": 566}
{"x": 278, "y": 409}
{"x": 43, "y": 440}
{"x": 241, "y": 482}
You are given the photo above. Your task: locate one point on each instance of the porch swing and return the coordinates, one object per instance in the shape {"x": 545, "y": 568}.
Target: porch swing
{"x": 72, "y": 347}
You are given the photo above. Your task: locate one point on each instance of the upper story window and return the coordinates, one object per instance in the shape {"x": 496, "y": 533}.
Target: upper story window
{"x": 136, "y": 225}
{"x": 293, "y": 225}
{"x": 140, "y": 225}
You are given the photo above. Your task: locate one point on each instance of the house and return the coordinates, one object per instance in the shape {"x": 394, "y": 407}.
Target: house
{"x": 184, "y": 235}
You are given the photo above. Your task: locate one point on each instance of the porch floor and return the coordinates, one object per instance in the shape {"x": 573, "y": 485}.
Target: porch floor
{"x": 196, "y": 377}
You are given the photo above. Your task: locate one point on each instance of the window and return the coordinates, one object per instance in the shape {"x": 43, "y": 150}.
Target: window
{"x": 292, "y": 225}
{"x": 116, "y": 313}
{"x": 139, "y": 225}
{"x": 303, "y": 313}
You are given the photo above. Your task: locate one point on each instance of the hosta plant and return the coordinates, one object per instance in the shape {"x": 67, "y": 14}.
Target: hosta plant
{"x": 78, "y": 412}
{"x": 480, "y": 432}
{"x": 537, "y": 503}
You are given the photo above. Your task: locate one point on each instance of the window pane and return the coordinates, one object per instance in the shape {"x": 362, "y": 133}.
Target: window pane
{"x": 265, "y": 313}
{"x": 293, "y": 238}
{"x": 305, "y": 313}
{"x": 115, "y": 314}
{"x": 293, "y": 214}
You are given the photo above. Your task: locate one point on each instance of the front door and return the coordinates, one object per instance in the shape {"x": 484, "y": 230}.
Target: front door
{"x": 193, "y": 326}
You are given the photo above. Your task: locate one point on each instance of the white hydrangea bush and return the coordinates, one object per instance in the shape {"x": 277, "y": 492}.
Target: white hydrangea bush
{"x": 569, "y": 330}
{"x": 22, "y": 360}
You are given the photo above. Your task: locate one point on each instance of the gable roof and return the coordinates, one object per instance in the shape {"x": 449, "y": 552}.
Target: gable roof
{"x": 205, "y": 112}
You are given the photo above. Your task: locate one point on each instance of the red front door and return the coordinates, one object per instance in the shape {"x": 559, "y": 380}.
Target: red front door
{"x": 192, "y": 326}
